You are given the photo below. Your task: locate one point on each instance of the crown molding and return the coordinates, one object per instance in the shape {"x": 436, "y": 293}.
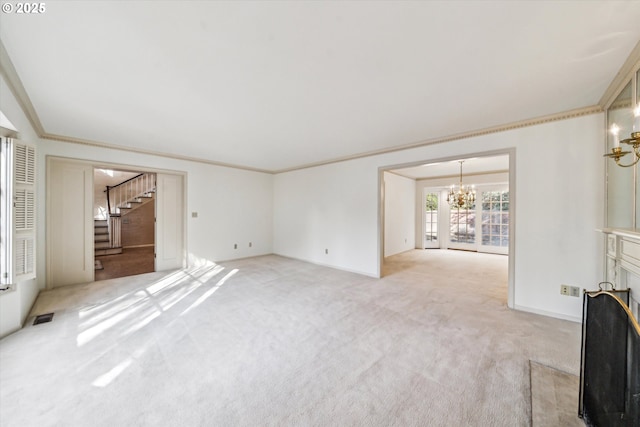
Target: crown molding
{"x": 15, "y": 84}
{"x": 579, "y": 112}
{"x": 81, "y": 141}
{"x": 626, "y": 73}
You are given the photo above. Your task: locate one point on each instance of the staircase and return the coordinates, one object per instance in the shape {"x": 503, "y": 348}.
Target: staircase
{"x": 101, "y": 245}
{"x": 121, "y": 199}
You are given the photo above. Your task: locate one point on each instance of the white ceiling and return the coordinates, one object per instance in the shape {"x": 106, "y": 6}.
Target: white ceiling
{"x": 281, "y": 84}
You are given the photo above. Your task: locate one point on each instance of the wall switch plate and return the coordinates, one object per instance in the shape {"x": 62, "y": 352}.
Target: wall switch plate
{"x": 250, "y": 244}
{"x": 235, "y": 246}
{"x": 194, "y": 214}
{"x": 326, "y": 251}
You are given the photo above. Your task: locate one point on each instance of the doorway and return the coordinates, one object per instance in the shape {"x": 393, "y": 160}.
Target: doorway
{"x": 124, "y": 222}
{"x": 430, "y": 219}
{"x": 485, "y": 226}
{"x": 70, "y": 225}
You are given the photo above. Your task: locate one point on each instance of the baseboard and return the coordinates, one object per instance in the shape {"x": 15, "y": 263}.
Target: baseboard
{"x": 348, "y": 270}
{"x": 150, "y": 245}
{"x": 548, "y": 313}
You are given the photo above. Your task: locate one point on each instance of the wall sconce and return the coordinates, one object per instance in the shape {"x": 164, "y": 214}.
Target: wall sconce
{"x": 616, "y": 152}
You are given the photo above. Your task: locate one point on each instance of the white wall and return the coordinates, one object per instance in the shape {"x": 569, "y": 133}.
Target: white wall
{"x": 559, "y": 176}
{"x": 234, "y": 207}
{"x": 334, "y": 208}
{"x": 399, "y": 214}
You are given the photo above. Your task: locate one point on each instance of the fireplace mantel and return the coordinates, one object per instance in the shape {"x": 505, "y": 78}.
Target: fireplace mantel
{"x": 623, "y": 262}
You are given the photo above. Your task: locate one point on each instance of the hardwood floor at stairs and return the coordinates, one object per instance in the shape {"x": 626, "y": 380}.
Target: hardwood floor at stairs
{"x": 130, "y": 262}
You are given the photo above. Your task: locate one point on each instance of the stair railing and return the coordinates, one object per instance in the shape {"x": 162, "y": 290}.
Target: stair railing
{"x": 121, "y": 195}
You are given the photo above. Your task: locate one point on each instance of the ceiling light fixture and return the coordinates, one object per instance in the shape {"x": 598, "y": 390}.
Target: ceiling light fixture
{"x": 464, "y": 198}
{"x": 616, "y": 152}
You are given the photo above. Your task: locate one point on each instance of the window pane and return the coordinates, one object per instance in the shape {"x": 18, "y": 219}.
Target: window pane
{"x": 495, "y": 218}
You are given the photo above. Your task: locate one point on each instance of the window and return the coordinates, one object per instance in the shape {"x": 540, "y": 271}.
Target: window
{"x": 431, "y": 217}
{"x": 463, "y": 225}
{"x": 17, "y": 211}
{"x": 495, "y": 218}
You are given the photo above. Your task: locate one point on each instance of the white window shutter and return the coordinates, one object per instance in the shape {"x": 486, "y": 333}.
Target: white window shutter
{"x": 25, "y": 256}
{"x": 24, "y": 211}
{"x": 24, "y": 163}
{"x": 24, "y": 204}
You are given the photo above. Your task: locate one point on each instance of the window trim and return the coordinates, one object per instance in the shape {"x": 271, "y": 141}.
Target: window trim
{"x": 6, "y": 217}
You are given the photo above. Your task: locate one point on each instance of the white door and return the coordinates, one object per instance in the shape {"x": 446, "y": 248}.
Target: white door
{"x": 69, "y": 223}
{"x": 169, "y": 222}
{"x": 431, "y": 206}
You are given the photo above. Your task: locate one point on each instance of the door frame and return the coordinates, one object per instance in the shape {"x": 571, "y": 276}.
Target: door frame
{"x": 89, "y": 201}
{"x": 511, "y": 152}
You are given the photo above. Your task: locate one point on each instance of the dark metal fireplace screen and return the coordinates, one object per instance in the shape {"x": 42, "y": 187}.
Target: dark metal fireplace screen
{"x": 610, "y": 367}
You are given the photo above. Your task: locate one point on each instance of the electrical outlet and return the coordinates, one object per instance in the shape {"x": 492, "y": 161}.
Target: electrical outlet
{"x": 573, "y": 291}
{"x": 194, "y": 214}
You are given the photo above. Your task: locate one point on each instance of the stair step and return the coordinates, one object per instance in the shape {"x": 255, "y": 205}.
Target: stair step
{"x": 108, "y": 251}
{"x": 100, "y": 223}
{"x": 99, "y": 238}
{"x": 102, "y": 245}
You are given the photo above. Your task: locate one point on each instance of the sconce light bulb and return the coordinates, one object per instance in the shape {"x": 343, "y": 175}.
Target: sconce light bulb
{"x": 636, "y": 111}
{"x": 615, "y": 130}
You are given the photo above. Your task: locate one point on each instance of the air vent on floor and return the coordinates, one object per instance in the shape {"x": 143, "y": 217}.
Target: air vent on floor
{"x": 43, "y": 318}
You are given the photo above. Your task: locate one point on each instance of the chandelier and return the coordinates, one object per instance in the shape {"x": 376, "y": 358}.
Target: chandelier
{"x": 464, "y": 197}
{"x": 634, "y": 141}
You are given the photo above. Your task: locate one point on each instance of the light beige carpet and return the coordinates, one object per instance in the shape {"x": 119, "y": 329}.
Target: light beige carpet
{"x": 271, "y": 341}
